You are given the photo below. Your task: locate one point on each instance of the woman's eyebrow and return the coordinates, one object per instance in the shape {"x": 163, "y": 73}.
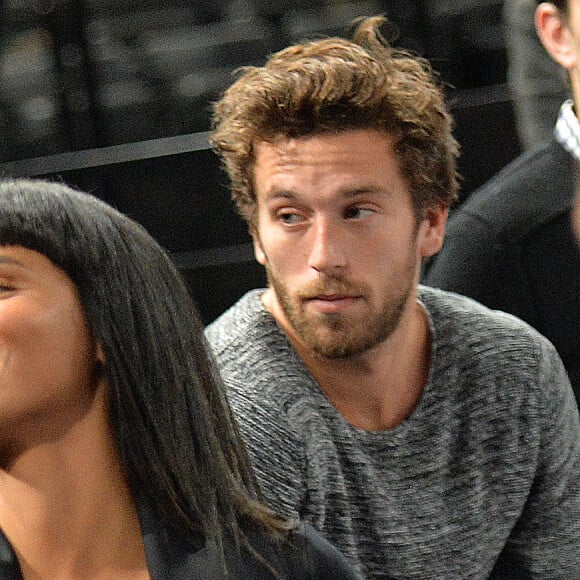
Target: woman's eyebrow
{"x": 9, "y": 260}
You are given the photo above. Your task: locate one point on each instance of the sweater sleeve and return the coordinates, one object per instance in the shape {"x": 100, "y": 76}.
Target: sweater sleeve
{"x": 275, "y": 449}
{"x": 545, "y": 542}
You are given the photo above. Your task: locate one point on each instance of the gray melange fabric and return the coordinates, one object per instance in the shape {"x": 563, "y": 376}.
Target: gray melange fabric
{"x": 483, "y": 480}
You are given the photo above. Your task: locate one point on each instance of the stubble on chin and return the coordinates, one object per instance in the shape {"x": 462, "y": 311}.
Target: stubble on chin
{"x": 333, "y": 335}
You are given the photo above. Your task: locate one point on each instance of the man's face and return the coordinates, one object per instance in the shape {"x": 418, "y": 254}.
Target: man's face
{"x": 339, "y": 239}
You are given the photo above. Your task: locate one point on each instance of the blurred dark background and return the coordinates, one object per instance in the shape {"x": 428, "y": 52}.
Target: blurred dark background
{"x": 113, "y": 96}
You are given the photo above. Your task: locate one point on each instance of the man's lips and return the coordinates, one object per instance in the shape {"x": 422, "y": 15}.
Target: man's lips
{"x": 331, "y": 302}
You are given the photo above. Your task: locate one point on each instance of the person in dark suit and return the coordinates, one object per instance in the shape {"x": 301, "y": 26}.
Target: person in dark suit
{"x": 537, "y": 83}
{"x": 119, "y": 457}
{"x": 511, "y": 244}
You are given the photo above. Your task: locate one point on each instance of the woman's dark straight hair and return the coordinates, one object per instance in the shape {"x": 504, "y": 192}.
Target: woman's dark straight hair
{"x": 176, "y": 438}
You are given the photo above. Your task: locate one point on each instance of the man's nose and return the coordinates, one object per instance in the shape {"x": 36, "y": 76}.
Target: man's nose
{"x": 328, "y": 251}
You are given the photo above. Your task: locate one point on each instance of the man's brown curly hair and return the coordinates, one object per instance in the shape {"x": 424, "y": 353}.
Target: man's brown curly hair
{"x": 334, "y": 85}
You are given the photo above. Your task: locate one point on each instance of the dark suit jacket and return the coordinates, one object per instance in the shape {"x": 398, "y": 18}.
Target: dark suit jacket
{"x": 510, "y": 246}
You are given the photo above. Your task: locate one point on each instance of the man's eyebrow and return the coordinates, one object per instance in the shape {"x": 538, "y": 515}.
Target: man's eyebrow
{"x": 280, "y": 194}
{"x": 346, "y": 193}
{"x": 365, "y": 190}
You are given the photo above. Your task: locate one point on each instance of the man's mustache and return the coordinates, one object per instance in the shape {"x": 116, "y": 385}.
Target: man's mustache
{"x": 331, "y": 287}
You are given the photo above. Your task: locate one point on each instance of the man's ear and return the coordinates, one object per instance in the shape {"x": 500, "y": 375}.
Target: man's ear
{"x": 432, "y": 229}
{"x": 258, "y": 250}
{"x": 555, "y": 35}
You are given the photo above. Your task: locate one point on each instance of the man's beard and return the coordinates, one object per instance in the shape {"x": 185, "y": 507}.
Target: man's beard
{"x": 336, "y": 335}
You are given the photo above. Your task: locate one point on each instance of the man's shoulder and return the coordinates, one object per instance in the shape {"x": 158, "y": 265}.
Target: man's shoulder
{"x": 464, "y": 324}
{"x": 491, "y": 354}
{"x": 531, "y": 190}
{"x": 535, "y": 170}
{"x": 485, "y": 236}
{"x": 232, "y": 326}
{"x": 254, "y": 356}
{"x": 246, "y": 332}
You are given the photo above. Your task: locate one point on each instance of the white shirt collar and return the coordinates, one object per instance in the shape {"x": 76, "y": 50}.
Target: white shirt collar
{"x": 567, "y": 130}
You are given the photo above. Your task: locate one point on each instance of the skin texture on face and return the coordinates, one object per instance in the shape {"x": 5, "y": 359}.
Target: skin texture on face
{"x": 339, "y": 239}
{"x": 47, "y": 355}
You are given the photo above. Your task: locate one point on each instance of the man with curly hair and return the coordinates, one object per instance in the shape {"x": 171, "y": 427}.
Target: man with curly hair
{"x": 425, "y": 435}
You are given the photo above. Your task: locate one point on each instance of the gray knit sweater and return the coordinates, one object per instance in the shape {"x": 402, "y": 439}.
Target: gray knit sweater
{"x": 481, "y": 481}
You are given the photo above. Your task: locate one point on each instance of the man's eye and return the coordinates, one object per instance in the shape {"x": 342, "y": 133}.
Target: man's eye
{"x": 357, "y": 213}
{"x": 289, "y": 218}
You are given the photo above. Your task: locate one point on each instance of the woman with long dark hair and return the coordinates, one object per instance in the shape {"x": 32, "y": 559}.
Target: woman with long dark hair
{"x": 119, "y": 457}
